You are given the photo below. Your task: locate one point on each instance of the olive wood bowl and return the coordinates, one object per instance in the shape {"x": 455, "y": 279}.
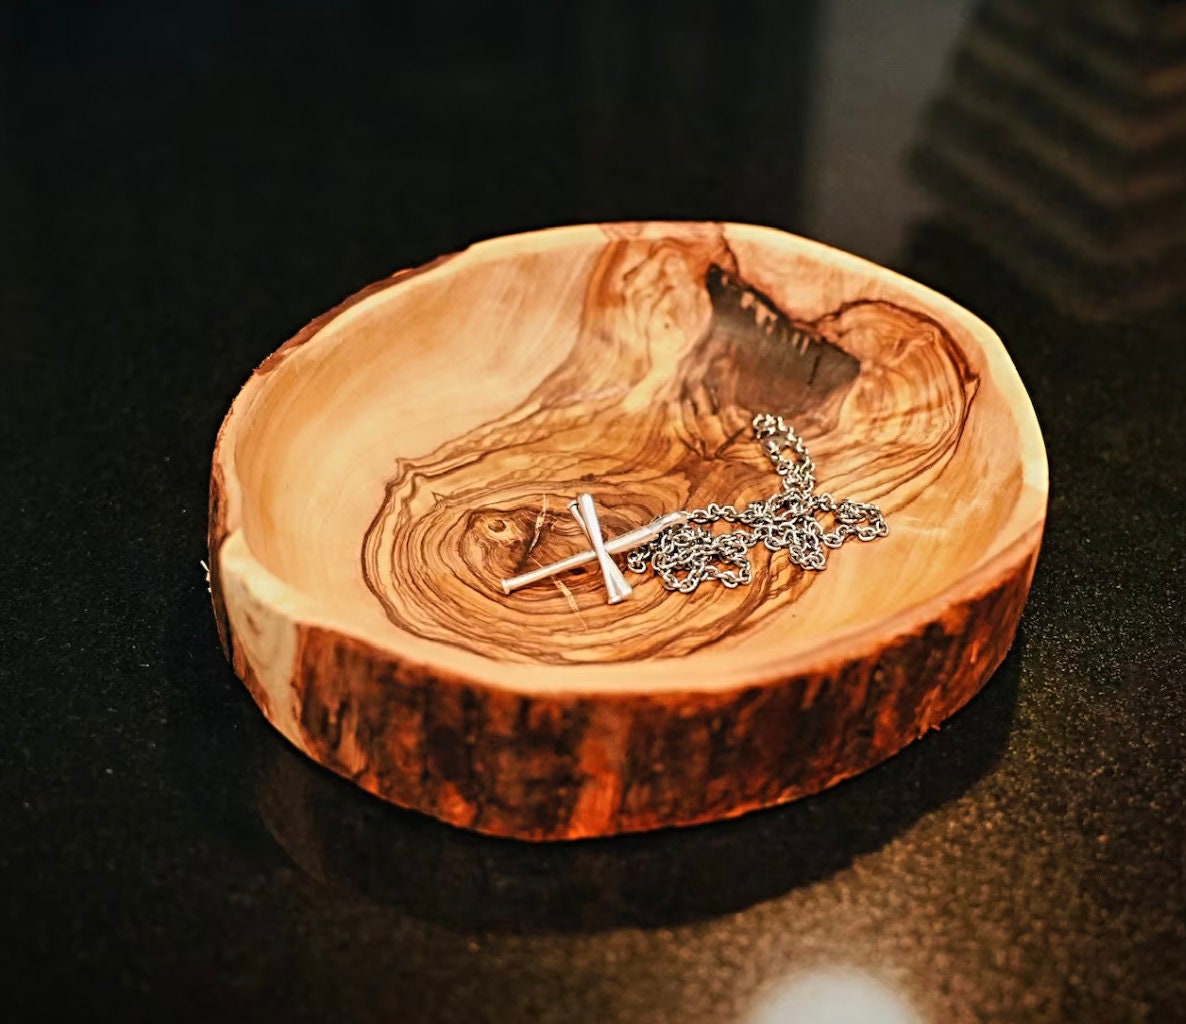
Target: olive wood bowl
{"x": 383, "y": 470}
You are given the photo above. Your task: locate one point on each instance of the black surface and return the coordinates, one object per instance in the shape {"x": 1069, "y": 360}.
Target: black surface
{"x": 181, "y": 187}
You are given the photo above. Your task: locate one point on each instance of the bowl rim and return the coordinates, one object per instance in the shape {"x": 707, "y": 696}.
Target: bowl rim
{"x": 231, "y": 555}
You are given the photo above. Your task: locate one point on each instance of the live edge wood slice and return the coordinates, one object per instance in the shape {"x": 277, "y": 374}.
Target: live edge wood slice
{"x": 381, "y": 472}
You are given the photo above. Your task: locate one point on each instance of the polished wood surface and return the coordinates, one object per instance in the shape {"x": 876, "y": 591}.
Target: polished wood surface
{"x": 383, "y": 471}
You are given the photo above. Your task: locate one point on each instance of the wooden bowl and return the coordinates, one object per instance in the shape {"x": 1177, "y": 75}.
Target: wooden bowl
{"x": 382, "y": 471}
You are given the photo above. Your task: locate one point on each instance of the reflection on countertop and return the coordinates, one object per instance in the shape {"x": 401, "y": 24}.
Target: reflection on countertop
{"x": 832, "y": 994}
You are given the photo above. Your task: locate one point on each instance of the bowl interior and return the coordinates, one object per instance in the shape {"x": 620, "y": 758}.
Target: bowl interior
{"x": 425, "y": 442}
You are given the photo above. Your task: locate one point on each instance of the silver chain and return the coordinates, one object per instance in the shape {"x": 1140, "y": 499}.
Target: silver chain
{"x": 687, "y": 555}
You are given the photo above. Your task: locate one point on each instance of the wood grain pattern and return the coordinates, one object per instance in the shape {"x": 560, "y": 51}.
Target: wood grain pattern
{"x": 381, "y": 473}
{"x": 667, "y": 427}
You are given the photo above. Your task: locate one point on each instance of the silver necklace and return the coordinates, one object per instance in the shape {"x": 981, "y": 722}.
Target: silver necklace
{"x": 684, "y": 552}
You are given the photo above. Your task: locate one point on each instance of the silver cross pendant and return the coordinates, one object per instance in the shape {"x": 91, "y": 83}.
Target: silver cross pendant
{"x": 585, "y": 513}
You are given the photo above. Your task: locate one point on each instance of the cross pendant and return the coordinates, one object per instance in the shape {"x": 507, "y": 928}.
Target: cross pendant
{"x": 585, "y": 513}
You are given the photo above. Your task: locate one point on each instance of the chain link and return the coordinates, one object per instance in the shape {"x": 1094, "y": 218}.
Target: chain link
{"x": 685, "y": 556}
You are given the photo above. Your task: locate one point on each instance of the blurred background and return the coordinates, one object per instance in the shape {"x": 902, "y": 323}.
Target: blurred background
{"x": 185, "y": 184}
{"x": 1051, "y": 133}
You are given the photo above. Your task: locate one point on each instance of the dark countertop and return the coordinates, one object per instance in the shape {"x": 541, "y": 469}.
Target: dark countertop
{"x": 183, "y": 185}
